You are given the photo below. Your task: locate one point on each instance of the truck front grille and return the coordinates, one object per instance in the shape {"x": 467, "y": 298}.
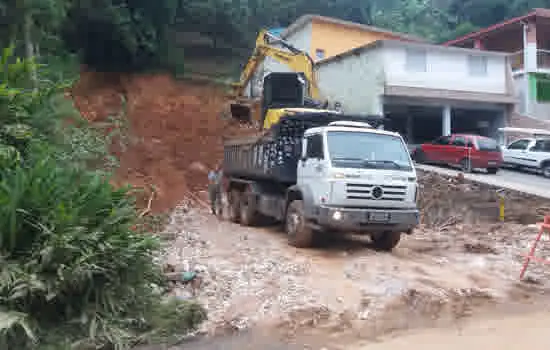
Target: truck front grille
{"x": 378, "y": 192}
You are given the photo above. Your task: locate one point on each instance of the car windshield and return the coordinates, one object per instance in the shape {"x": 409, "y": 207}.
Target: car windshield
{"x": 487, "y": 144}
{"x": 349, "y": 149}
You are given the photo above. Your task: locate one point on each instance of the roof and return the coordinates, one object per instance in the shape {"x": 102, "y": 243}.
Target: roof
{"x": 304, "y": 20}
{"x": 399, "y": 43}
{"x": 538, "y": 12}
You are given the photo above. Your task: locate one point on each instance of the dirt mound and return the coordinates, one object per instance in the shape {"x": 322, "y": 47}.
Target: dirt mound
{"x": 175, "y": 127}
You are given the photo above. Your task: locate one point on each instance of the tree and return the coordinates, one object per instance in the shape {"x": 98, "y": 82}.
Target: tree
{"x": 118, "y": 35}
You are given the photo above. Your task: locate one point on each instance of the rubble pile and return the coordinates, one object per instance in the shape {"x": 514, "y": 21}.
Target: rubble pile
{"x": 446, "y": 200}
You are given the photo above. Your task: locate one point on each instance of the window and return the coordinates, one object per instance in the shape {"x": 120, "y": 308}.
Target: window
{"x": 541, "y": 146}
{"x": 487, "y": 144}
{"x": 443, "y": 140}
{"x": 320, "y": 54}
{"x": 477, "y": 65}
{"x": 314, "y": 146}
{"x": 367, "y": 150}
{"x": 519, "y": 145}
{"x": 415, "y": 60}
{"x": 459, "y": 141}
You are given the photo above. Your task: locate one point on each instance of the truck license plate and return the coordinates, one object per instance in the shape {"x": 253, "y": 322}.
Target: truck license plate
{"x": 492, "y": 163}
{"x": 379, "y": 217}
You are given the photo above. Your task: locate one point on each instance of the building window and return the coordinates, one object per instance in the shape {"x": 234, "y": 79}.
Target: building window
{"x": 320, "y": 54}
{"x": 416, "y": 60}
{"x": 477, "y": 65}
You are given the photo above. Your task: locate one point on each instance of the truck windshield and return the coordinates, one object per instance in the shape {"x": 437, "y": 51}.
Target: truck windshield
{"x": 349, "y": 149}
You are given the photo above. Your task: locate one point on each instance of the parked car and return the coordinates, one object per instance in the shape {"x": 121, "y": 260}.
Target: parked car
{"x": 467, "y": 151}
{"x": 533, "y": 153}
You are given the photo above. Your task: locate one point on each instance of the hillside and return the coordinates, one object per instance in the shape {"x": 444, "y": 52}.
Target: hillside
{"x": 175, "y": 129}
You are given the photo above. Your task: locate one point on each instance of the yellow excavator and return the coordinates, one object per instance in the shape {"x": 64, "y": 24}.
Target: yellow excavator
{"x": 283, "y": 93}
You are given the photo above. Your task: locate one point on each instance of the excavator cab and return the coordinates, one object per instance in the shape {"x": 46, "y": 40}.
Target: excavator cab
{"x": 280, "y": 90}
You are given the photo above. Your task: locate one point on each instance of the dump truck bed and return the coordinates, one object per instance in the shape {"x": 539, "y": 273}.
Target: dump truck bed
{"x": 274, "y": 155}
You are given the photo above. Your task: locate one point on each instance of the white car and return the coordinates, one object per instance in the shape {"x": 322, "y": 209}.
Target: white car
{"x": 533, "y": 153}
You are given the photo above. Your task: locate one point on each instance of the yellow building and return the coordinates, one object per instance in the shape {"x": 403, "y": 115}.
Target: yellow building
{"x": 324, "y": 37}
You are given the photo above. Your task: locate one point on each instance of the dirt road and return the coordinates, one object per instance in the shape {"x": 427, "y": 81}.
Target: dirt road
{"x": 344, "y": 290}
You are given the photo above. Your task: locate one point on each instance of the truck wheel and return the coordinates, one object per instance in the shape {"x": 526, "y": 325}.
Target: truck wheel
{"x": 386, "y": 241}
{"x": 546, "y": 170}
{"x": 234, "y": 206}
{"x": 248, "y": 213}
{"x": 300, "y": 235}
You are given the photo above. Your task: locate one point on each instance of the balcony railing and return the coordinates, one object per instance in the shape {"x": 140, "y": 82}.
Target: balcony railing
{"x": 518, "y": 64}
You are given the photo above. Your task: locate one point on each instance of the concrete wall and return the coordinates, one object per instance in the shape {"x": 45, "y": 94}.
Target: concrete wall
{"x": 446, "y": 69}
{"x": 355, "y": 81}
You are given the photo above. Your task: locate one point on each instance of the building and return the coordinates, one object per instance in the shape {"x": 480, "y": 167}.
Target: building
{"x": 527, "y": 40}
{"x": 322, "y": 37}
{"x": 425, "y": 90}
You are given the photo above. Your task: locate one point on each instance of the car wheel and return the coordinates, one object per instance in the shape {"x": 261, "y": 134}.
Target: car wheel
{"x": 492, "y": 171}
{"x": 466, "y": 165}
{"x": 546, "y": 170}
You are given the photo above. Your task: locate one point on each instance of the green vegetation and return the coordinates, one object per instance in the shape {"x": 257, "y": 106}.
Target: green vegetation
{"x": 75, "y": 270}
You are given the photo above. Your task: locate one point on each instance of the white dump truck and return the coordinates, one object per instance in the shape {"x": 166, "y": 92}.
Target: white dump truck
{"x": 320, "y": 172}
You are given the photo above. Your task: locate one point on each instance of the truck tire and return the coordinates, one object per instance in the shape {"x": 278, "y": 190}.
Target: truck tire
{"x": 234, "y": 206}
{"x": 386, "y": 241}
{"x": 300, "y": 235}
{"x": 248, "y": 213}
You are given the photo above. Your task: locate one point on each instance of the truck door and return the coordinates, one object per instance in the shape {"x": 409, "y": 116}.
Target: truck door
{"x": 312, "y": 168}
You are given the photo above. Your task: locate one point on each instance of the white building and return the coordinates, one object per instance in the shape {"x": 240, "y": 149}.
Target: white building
{"x": 426, "y": 90}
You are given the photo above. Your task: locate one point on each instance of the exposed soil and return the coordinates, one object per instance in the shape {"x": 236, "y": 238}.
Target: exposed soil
{"x": 175, "y": 127}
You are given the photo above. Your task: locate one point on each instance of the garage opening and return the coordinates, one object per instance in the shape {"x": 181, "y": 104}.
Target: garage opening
{"x": 416, "y": 124}
{"x": 480, "y": 122}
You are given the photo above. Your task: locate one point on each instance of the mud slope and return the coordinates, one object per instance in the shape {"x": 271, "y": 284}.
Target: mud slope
{"x": 175, "y": 127}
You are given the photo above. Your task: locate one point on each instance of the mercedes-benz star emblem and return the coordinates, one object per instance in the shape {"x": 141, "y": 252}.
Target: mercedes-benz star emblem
{"x": 377, "y": 192}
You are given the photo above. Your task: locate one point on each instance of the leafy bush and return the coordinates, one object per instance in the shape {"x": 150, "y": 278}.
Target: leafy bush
{"x": 75, "y": 270}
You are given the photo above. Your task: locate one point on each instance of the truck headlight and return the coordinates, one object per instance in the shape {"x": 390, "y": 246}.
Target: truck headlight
{"x": 337, "y": 216}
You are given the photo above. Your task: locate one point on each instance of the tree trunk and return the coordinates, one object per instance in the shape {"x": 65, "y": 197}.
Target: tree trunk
{"x": 29, "y": 46}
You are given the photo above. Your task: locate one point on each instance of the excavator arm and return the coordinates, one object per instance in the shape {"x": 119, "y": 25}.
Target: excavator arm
{"x": 295, "y": 59}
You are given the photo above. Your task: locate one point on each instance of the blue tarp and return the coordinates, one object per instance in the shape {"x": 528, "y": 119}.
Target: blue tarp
{"x": 276, "y": 31}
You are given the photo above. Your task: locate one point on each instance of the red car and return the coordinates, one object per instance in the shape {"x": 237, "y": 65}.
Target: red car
{"x": 467, "y": 151}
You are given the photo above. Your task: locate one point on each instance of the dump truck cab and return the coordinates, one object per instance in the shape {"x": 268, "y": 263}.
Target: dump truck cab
{"x": 354, "y": 178}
